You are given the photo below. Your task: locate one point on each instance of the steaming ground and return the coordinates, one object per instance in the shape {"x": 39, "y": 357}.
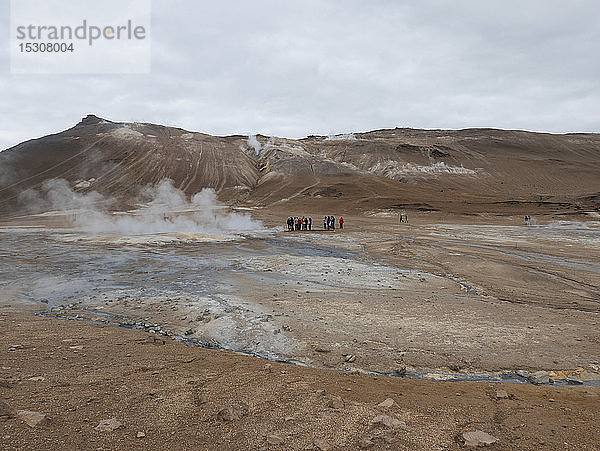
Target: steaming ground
{"x": 374, "y": 297}
{"x": 161, "y": 208}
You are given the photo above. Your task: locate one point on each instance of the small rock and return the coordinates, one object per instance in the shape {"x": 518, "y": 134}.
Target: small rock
{"x": 539, "y": 377}
{"x": 155, "y": 340}
{"x": 523, "y": 373}
{"x": 229, "y": 414}
{"x": 109, "y": 425}
{"x": 32, "y": 419}
{"x": 574, "y": 380}
{"x": 321, "y": 392}
{"x": 190, "y": 332}
{"x": 273, "y": 439}
{"x": 336, "y": 402}
{"x": 76, "y": 347}
{"x": 365, "y": 442}
{"x": 387, "y": 421}
{"x": 321, "y": 444}
{"x": 474, "y": 439}
{"x": 6, "y": 412}
{"x": 389, "y": 402}
{"x": 140, "y": 434}
{"x": 401, "y": 370}
{"x": 501, "y": 394}
{"x": 350, "y": 358}
{"x": 321, "y": 349}
{"x": 268, "y": 368}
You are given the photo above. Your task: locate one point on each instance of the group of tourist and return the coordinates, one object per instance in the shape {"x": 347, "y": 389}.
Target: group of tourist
{"x": 329, "y": 223}
{"x": 305, "y": 223}
{"x": 297, "y": 223}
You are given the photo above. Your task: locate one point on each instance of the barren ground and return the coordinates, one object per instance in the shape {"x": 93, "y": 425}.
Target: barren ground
{"x": 438, "y": 298}
{"x": 180, "y": 397}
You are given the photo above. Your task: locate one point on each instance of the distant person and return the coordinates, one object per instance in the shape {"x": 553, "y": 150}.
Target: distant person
{"x": 341, "y": 222}
{"x": 324, "y": 222}
{"x": 309, "y": 223}
{"x": 333, "y": 223}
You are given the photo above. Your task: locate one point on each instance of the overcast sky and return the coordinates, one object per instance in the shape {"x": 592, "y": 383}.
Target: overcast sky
{"x": 292, "y": 68}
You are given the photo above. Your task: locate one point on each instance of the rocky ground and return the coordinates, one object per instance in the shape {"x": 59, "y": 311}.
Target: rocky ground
{"x": 68, "y": 384}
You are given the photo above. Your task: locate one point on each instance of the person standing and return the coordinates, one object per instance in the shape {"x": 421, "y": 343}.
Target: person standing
{"x": 333, "y": 223}
{"x": 309, "y": 223}
{"x": 341, "y": 223}
{"x": 324, "y": 222}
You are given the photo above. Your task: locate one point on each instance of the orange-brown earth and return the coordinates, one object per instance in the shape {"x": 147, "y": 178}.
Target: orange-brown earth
{"x": 172, "y": 396}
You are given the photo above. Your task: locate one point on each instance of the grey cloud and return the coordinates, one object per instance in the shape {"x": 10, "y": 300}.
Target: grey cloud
{"x": 295, "y": 68}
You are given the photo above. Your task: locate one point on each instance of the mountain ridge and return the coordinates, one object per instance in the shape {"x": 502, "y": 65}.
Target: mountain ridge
{"x": 465, "y": 171}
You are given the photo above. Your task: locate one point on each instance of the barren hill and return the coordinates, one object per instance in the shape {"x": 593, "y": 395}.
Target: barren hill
{"x": 462, "y": 171}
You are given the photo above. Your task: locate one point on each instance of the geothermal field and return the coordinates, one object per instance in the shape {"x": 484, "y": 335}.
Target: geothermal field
{"x": 450, "y": 301}
{"x": 146, "y": 301}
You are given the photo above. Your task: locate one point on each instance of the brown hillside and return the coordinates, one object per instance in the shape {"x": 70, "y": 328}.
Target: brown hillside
{"x": 462, "y": 171}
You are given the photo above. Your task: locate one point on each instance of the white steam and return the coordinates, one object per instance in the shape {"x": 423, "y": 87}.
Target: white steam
{"x": 56, "y": 194}
{"x": 253, "y": 143}
{"x": 256, "y": 146}
{"x": 343, "y": 137}
{"x": 165, "y": 209}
